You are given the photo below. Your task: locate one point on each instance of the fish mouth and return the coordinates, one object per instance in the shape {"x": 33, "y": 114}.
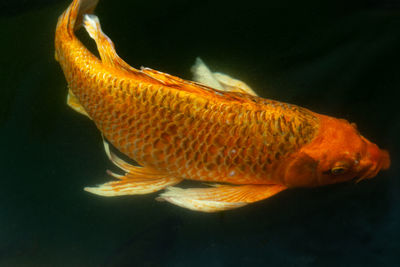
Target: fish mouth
{"x": 375, "y": 160}
{"x": 372, "y": 169}
{"x": 370, "y": 173}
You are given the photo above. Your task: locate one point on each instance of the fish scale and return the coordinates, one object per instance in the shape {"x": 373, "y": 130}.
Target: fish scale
{"x": 152, "y": 127}
{"x": 155, "y": 128}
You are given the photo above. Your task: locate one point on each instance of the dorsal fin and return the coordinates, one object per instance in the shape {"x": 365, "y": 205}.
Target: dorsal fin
{"x": 110, "y": 57}
{"x": 165, "y": 78}
{"x": 178, "y": 83}
{"x": 104, "y": 44}
{"x": 107, "y": 51}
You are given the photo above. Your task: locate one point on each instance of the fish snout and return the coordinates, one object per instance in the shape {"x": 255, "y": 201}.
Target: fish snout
{"x": 375, "y": 160}
{"x": 385, "y": 160}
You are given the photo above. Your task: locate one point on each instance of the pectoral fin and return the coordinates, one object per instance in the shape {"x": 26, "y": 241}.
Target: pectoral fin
{"x": 202, "y": 74}
{"x": 73, "y": 102}
{"x": 220, "y": 197}
{"x": 136, "y": 181}
{"x": 233, "y": 85}
{"x": 220, "y": 81}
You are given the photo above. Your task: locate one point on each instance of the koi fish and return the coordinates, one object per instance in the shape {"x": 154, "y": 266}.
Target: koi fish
{"x": 214, "y": 129}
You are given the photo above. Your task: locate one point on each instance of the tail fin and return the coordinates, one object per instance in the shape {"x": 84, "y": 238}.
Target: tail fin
{"x": 72, "y": 17}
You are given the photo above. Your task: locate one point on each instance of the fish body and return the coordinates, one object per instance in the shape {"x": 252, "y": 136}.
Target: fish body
{"x": 177, "y": 129}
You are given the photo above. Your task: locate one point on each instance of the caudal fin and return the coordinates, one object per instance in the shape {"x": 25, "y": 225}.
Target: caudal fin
{"x": 72, "y": 17}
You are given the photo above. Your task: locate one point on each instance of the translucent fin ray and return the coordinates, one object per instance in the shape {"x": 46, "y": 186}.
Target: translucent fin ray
{"x": 73, "y": 103}
{"x": 131, "y": 170}
{"x": 136, "y": 181}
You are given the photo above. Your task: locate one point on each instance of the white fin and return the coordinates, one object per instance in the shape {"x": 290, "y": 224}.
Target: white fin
{"x": 219, "y": 197}
{"x": 202, "y": 74}
{"x": 220, "y": 81}
{"x": 182, "y": 198}
{"x": 234, "y": 85}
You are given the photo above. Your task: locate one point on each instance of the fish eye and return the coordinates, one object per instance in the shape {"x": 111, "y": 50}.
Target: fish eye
{"x": 338, "y": 170}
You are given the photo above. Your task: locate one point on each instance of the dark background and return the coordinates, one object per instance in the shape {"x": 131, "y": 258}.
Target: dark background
{"x": 337, "y": 59}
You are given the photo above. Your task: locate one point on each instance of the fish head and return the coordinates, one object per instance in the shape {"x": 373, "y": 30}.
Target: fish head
{"x": 338, "y": 153}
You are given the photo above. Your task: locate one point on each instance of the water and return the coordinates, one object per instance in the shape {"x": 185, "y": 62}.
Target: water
{"x": 337, "y": 60}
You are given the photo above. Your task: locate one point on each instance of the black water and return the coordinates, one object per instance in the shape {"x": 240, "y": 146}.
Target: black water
{"x": 340, "y": 60}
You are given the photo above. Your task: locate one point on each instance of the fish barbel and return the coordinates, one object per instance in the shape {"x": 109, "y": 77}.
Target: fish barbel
{"x": 215, "y": 129}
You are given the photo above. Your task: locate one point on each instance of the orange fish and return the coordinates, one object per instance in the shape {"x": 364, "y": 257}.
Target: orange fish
{"x": 215, "y": 129}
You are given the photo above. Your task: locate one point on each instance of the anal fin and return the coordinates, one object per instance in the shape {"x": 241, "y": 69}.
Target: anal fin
{"x": 136, "y": 181}
{"x": 130, "y": 185}
{"x": 219, "y": 197}
{"x": 73, "y": 102}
